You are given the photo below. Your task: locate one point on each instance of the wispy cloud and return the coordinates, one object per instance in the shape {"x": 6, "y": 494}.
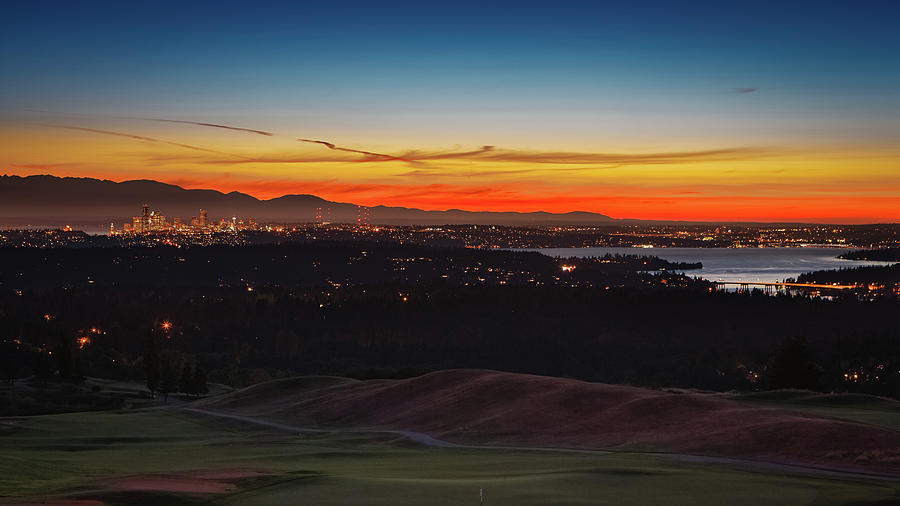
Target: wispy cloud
{"x": 368, "y": 156}
{"x": 743, "y": 90}
{"x": 419, "y": 158}
{"x": 211, "y": 125}
{"x": 446, "y": 155}
{"x": 140, "y": 138}
{"x": 583, "y": 160}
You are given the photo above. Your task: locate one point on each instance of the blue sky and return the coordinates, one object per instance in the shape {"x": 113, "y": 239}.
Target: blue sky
{"x": 577, "y": 76}
{"x": 126, "y": 55}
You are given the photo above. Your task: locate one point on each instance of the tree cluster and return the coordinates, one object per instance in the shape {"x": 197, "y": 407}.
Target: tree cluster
{"x": 392, "y": 322}
{"x": 168, "y": 372}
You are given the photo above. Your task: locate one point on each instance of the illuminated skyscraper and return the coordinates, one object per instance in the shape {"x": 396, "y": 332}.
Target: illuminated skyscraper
{"x": 157, "y": 221}
{"x": 203, "y": 218}
{"x": 145, "y": 219}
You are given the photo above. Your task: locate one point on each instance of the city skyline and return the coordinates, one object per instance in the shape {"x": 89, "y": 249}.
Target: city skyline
{"x": 530, "y": 253}
{"x": 696, "y": 112}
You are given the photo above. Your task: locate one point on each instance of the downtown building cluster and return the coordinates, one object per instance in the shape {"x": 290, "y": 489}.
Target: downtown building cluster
{"x": 152, "y": 221}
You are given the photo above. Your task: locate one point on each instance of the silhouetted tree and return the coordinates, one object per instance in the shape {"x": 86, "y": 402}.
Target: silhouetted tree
{"x": 64, "y": 362}
{"x": 793, "y": 366}
{"x": 151, "y": 364}
{"x": 8, "y": 362}
{"x": 169, "y": 380}
{"x": 76, "y": 376}
{"x": 186, "y": 383}
{"x": 43, "y": 368}
{"x": 199, "y": 382}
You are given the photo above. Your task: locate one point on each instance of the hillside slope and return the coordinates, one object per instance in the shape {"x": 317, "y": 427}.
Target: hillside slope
{"x": 488, "y": 407}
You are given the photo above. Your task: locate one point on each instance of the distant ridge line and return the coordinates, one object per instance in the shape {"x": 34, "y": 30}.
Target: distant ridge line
{"x": 48, "y": 197}
{"x": 45, "y": 199}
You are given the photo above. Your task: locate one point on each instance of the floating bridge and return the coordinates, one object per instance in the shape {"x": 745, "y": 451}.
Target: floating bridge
{"x": 771, "y": 287}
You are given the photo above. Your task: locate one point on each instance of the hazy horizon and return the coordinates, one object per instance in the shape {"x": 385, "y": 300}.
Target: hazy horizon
{"x": 689, "y": 112}
{"x": 98, "y": 220}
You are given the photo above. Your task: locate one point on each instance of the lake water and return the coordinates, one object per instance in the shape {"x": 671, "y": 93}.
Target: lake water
{"x": 759, "y": 265}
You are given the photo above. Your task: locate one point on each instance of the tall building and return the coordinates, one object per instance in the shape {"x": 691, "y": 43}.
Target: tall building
{"x": 157, "y": 221}
{"x": 204, "y": 219}
{"x": 145, "y": 219}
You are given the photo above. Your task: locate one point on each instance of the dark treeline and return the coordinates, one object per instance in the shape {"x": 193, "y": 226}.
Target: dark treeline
{"x": 882, "y": 255}
{"x": 656, "y": 337}
{"x": 884, "y": 275}
{"x": 167, "y": 370}
{"x": 295, "y": 265}
{"x": 245, "y": 314}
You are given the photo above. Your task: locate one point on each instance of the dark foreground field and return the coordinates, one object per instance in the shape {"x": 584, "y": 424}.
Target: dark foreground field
{"x": 330, "y": 441}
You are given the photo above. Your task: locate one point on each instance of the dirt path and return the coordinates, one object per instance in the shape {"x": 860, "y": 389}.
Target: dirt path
{"x": 418, "y": 437}
{"x": 428, "y": 440}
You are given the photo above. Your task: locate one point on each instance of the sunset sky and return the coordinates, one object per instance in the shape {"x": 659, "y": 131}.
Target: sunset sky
{"x": 657, "y": 110}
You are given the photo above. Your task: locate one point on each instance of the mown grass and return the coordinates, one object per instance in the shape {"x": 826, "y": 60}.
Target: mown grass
{"x": 857, "y": 407}
{"x": 72, "y": 454}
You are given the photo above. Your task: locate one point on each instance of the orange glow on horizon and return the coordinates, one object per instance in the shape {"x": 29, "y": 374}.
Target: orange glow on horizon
{"x": 623, "y": 202}
{"x": 738, "y": 204}
{"x": 697, "y": 182}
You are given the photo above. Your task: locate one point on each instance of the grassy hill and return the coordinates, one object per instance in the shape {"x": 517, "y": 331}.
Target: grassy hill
{"x": 489, "y": 407}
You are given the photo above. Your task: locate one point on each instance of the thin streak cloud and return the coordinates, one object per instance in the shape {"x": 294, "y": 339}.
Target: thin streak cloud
{"x": 369, "y": 156}
{"x": 418, "y": 158}
{"x": 139, "y": 138}
{"x": 595, "y": 160}
{"x": 578, "y": 158}
{"x": 578, "y": 161}
{"x": 212, "y": 125}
